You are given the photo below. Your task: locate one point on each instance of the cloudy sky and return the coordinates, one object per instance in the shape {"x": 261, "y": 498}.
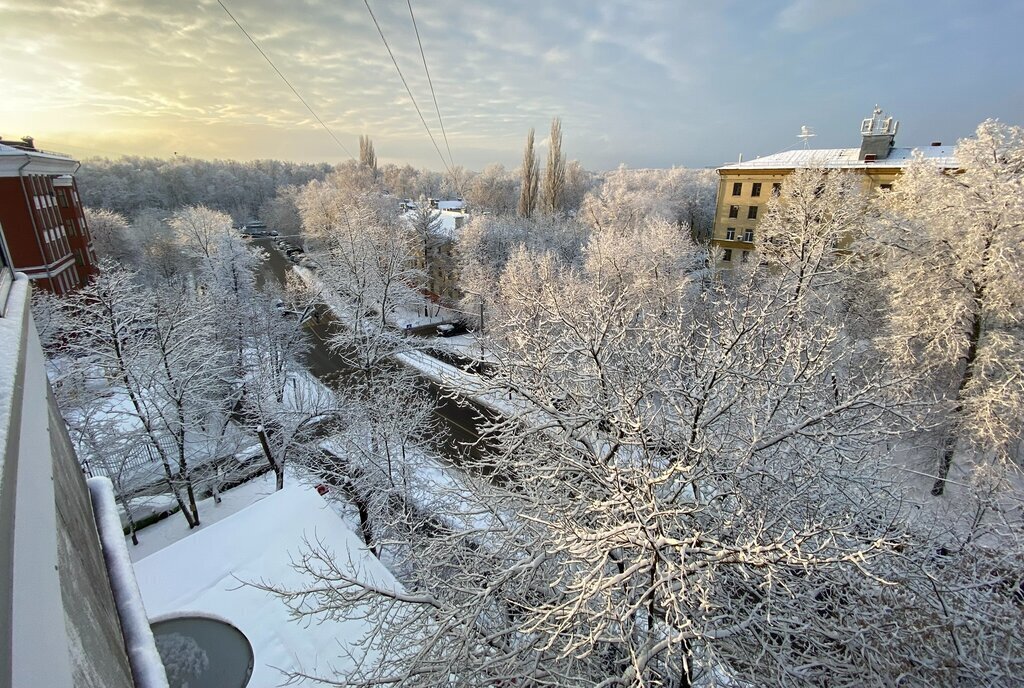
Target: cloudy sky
{"x": 646, "y": 83}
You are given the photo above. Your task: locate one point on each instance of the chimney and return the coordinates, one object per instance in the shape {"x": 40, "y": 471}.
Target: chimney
{"x": 29, "y": 142}
{"x": 878, "y": 135}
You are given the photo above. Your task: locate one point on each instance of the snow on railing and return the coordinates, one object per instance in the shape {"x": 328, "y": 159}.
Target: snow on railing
{"x": 147, "y": 668}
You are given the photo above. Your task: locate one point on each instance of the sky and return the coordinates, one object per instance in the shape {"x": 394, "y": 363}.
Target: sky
{"x": 645, "y": 83}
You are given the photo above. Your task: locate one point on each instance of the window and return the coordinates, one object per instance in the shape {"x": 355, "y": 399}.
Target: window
{"x": 727, "y": 255}
{"x": 737, "y": 188}
{"x": 748, "y": 236}
{"x": 730, "y": 233}
{"x": 755, "y": 190}
{"x": 734, "y": 211}
{"x": 776, "y": 188}
{"x": 752, "y": 212}
{"x": 886, "y": 187}
{"x": 745, "y": 256}
{"x": 62, "y": 198}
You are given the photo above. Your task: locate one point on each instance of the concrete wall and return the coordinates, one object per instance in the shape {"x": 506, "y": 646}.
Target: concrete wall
{"x": 59, "y": 626}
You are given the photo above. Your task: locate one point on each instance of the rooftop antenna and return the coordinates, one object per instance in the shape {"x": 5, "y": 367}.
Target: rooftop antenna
{"x": 806, "y": 133}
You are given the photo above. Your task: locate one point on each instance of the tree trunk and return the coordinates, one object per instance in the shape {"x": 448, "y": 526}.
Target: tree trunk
{"x": 277, "y": 468}
{"x": 949, "y": 446}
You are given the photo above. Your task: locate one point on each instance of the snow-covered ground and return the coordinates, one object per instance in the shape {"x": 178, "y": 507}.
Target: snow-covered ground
{"x": 255, "y": 537}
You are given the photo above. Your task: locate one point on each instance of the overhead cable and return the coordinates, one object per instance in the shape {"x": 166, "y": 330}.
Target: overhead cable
{"x": 430, "y": 82}
{"x": 285, "y": 79}
{"x": 409, "y": 91}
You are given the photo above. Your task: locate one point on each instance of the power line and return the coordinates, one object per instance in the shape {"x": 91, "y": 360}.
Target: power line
{"x": 285, "y": 79}
{"x": 431, "y": 84}
{"x": 408, "y": 90}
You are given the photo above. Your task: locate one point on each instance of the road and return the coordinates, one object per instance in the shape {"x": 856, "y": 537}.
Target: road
{"x": 459, "y": 423}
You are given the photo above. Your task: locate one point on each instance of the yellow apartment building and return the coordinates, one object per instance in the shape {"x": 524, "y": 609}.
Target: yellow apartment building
{"x": 744, "y": 188}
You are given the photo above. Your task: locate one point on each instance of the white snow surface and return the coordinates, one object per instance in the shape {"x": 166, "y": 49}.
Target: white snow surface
{"x": 204, "y": 572}
{"x": 847, "y": 158}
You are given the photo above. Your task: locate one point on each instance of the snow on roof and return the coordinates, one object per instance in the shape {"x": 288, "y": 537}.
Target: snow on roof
{"x": 845, "y": 158}
{"x": 449, "y": 221}
{"x": 12, "y": 161}
{"x": 203, "y": 573}
{"x": 450, "y": 205}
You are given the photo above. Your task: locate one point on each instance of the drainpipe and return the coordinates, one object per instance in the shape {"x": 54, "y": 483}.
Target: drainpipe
{"x": 32, "y": 216}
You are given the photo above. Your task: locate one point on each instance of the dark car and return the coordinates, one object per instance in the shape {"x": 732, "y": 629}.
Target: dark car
{"x": 452, "y": 329}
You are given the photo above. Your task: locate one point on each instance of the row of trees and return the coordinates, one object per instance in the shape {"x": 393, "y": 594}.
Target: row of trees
{"x": 174, "y": 352}
{"x": 707, "y": 480}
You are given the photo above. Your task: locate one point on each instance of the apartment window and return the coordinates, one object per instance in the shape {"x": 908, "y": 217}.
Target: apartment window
{"x": 755, "y": 190}
{"x": 752, "y": 212}
{"x": 734, "y": 211}
{"x": 62, "y": 198}
{"x": 730, "y": 233}
{"x": 745, "y": 256}
{"x": 727, "y": 255}
{"x": 776, "y": 188}
{"x": 737, "y": 188}
{"x": 748, "y": 236}
{"x": 886, "y": 187}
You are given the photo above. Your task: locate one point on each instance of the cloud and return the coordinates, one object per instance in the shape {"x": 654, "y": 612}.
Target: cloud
{"x": 806, "y": 15}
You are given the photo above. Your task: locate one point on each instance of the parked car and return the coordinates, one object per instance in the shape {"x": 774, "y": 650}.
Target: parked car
{"x": 451, "y": 329}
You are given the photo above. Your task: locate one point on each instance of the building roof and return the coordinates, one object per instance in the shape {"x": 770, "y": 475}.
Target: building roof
{"x": 204, "y": 573}
{"x": 846, "y": 158}
{"x": 40, "y": 162}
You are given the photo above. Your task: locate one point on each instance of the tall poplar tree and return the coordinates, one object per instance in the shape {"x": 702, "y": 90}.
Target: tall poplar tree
{"x": 554, "y": 177}
{"x": 531, "y": 179}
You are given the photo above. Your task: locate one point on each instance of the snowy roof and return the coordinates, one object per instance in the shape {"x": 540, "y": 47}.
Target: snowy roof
{"x": 203, "y": 573}
{"x": 449, "y": 221}
{"x": 41, "y": 162}
{"x": 450, "y": 205}
{"x": 846, "y": 158}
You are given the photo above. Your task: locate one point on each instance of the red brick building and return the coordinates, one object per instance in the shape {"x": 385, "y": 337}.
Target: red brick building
{"x": 41, "y": 218}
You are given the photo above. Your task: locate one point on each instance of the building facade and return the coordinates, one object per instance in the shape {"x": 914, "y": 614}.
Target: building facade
{"x": 41, "y": 219}
{"x": 745, "y": 188}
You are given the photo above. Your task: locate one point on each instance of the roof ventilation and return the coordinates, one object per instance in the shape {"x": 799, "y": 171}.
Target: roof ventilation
{"x": 936, "y": 144}
{"x": 870, "y": 157}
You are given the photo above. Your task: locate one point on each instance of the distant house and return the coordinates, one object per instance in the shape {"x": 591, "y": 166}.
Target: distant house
{"x": 457, "y": 205}
{"x": 744, "y": 188}
{"x": 41, "y": 218}
{"x": 435, "y": 255}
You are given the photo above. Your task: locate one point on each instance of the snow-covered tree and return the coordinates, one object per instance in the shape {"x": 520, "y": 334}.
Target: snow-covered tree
{"x": 625, "y": 197}
{"x": 368, "y": 258}
{"x": 112, "y": 236}
{"x": 529, "y": 176}
{"x": 951, "y": 249}
{"x": 367, "y": 156}
{"x": 494, "y": 190}
{"x": 553, "y": 196}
